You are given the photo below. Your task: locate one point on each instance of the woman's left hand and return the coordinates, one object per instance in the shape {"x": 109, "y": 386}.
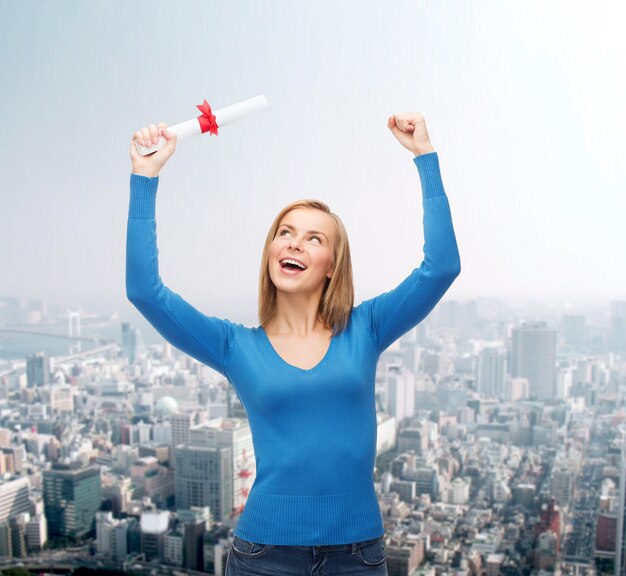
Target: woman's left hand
{"x": 410, "y": 130}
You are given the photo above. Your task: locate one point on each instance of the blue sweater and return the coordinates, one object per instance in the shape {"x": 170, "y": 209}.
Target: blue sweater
{"x": 313, "y": 431}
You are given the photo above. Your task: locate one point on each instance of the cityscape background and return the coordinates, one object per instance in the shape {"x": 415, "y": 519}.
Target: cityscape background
{"x": 500, "y": 418}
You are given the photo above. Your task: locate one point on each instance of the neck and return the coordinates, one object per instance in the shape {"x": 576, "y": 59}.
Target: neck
{"x": 296, "y": 314}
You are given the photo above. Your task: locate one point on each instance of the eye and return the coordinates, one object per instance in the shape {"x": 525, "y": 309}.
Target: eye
{"x": 282, "y": 233}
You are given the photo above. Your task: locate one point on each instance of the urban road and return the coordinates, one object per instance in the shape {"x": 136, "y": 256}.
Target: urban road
{"x": 579, "y": 542}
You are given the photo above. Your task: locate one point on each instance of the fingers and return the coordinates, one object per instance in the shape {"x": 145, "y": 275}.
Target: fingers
{"x": 138, "y": 135}
{"x": 169, "y": 135}
{"x": 149, "y": 135}
{"x": 406, "y": 121}
{"x": 133, "y": 149}
{"x": 163, "y": 131}
{"x": 154, "y": 133}
{"x": 143, "y": 137}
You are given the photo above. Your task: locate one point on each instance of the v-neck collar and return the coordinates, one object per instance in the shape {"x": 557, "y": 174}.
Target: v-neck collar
{"x": 283, "y": 361}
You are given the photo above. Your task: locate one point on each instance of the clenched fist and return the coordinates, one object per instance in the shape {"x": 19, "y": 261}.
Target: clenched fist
{"x": 410, "y": 130}
{"x": 151, "y": 164}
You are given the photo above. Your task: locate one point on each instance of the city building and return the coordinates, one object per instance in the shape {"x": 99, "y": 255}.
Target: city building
{"x": 235, "y": 434}
{"x": 154, "y": 526}
{"x": 14, "y": 497}
{"x": 72, "y": 497}
{"x": 38, "y": 370}
{"x": 400, "y": 383}
{"x": 129, "y": 342}
{"x": 492, "y": 368}
{"x": 533, "y": 356}
{"x": 204, "y": 476}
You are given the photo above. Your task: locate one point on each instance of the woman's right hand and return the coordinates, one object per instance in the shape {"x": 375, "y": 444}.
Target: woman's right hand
{"x": 151, "y": 164}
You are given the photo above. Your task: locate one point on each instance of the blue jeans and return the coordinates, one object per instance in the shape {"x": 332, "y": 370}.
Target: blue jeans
{"x": 365, "y": 558}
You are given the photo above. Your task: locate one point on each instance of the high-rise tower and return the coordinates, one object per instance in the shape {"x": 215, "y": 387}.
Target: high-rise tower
{"x": 533, "y": 356}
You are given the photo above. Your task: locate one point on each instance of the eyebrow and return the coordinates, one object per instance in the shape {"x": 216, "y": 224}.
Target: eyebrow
{"x": 309, "y": 232}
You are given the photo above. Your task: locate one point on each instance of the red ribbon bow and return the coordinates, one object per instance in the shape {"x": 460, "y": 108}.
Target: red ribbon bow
{"x": 207, "y": 119}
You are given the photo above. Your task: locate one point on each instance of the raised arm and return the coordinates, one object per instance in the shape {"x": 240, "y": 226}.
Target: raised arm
{"x": 394, "y": 313}
{"x": 206, "y": 338}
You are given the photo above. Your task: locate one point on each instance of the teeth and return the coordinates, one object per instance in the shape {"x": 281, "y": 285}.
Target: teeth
{"x": 293, "y": 262}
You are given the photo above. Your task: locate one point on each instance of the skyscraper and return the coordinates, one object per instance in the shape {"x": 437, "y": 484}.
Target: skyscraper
{"x": 194, "y": 525}
{"x": 400, "y": 392}
{"x": 620, "y": 537}
{"x": 204, "y": 478}
{"x": 233, "y": 433}
{"x": 181, "y": 424}
{"x": 533, "y": 356}
{"x": 71, "y": 498}
{"x": 491, "y": 372}
{"x": 617, "y": 328}
{"x": 129, "y": 342}
{"x": 37, "y": 370}
{"x": 574, "y": 332}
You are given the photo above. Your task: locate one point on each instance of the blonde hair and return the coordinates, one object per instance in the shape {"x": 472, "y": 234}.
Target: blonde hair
{"x": 338, "y": 295}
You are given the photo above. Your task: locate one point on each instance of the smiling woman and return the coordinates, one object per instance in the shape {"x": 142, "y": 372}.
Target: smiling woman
{"x": 306, "y": 374}
{"x": 306, "y": 231}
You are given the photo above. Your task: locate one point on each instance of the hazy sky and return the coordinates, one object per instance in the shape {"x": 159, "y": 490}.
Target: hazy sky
{"x": 524, "y": 103}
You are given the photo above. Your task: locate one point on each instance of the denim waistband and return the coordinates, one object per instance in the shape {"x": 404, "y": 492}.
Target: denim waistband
{"x": 353, "y": 547}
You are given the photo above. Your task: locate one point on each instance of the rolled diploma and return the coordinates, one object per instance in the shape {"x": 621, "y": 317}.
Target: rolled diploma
{"x": 223, "y": 117}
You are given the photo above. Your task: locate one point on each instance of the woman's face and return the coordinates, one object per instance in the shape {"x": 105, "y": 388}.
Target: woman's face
{"x": 306, "y": 235}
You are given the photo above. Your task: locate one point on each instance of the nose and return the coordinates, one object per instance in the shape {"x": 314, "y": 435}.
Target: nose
{"x": 295, "y": 242}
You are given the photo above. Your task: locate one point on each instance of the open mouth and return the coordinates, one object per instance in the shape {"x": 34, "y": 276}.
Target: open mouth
{"x": 292, "y": 266}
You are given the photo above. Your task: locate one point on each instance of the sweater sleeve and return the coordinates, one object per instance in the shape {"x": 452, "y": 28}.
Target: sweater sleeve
{"x": 392, "y": 314}
{"x": 206, "y": 338}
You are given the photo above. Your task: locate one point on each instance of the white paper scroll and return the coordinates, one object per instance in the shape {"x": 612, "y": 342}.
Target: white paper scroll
{"x": 223, "y": 117}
